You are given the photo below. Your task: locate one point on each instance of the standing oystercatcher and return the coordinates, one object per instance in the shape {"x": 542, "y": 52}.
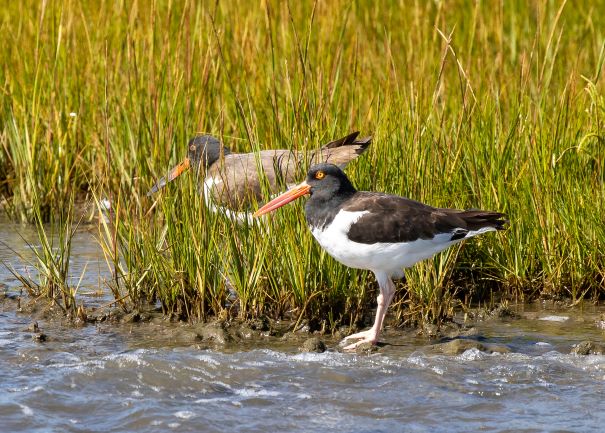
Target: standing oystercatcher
{"x": 235, "y": 181}
{"x": 379, "y": 232}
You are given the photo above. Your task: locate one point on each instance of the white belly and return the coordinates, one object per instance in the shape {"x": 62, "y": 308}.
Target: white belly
{"x": 390, "y": 258}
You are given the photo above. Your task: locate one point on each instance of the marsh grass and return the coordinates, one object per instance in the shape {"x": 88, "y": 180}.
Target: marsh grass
{"x": 48, "y": 273}
{"x": 495, "y": 106}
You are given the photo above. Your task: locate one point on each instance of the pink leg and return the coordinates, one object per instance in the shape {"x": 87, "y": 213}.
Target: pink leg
{"x": 387, "y": 290}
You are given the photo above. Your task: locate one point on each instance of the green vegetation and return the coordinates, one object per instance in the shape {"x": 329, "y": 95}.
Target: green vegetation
{"x": 51, "y": 262}
{"x": 471, "y": 104}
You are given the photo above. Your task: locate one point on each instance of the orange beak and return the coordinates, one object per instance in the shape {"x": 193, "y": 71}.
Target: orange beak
{"x": 172, "y": 174}
{"x": 285, "y": 198}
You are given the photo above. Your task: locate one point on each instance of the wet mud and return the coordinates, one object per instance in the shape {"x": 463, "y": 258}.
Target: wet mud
{"x": 151, "y": 328}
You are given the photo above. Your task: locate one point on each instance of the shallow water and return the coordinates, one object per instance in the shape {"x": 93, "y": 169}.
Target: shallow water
{"x": 102, "y": 378}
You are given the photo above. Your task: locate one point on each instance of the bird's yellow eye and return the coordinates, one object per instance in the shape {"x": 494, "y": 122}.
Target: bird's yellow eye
{"x": 192, "y": 147}
{"x": 320, "y": 175}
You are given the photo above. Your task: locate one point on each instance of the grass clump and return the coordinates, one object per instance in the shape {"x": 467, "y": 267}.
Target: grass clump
{"x": 48, "y": 276}
{"x": 496, "y": 107}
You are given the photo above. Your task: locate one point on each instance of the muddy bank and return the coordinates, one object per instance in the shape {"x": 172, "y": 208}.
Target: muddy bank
{"x": 149, "y": 328}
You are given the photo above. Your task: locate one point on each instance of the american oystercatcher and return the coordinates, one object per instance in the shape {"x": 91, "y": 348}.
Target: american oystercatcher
{"x": 233, "y": 181}
{"x": 379, "y": 232}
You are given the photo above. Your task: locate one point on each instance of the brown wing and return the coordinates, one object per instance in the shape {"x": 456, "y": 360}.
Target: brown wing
{"x": 244, "y": 178}
{"x": 348, "y": 139}
{"x": 398, "y": 219}
{"x": 241, "y": 185}
{"x": 342, "y": 151}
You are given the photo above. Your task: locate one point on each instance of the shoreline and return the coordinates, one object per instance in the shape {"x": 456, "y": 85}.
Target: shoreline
{"x": 150, "y": 328}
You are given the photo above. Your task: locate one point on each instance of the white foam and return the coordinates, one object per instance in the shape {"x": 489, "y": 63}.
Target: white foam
{"x": 184, "y": 414}
{"x": 472, "y": 354}
{"x": 330, "y": 359}
{"x": 27, "y": 411}
{"x": 255, "y": 364}
{"x": 212, "y": 400}
{"x": 123, "y": 359}
{"x": 247, "y": 392}
{"x": 86, "y": 367}
{"x": 208, "y": 360}
{"x": 554, "y": 318}
{"x": 418, "y": 359}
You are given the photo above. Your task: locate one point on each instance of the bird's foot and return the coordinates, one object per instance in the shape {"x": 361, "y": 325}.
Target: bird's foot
{"x": 369, "y": 336}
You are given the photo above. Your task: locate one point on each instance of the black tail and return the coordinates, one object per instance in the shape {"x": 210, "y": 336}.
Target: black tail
{"x": 362, "y": 143}
{"x": 341, "y": 152}
{"x": 478, "y": 219}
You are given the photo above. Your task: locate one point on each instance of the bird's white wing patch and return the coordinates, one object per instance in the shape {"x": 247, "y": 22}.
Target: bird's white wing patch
{"x": 472, "y": 233}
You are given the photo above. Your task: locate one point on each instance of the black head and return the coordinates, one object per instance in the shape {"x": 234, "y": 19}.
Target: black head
{"x": 328, "y": 187}
{"x": 206, "y": 150}
{"x": 328, "y": 181}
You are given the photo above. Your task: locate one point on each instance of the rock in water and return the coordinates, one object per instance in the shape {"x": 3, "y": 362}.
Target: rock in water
{"x": 588, "y": 348}
{"x": 313, "y": 344}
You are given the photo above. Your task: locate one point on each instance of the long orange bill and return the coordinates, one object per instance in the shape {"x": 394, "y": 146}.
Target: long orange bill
{"x": 172, "y": 174}
{"x": 285, "y": 198}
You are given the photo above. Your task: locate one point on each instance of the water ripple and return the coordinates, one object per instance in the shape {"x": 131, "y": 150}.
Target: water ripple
{"x": 90, "y": 382}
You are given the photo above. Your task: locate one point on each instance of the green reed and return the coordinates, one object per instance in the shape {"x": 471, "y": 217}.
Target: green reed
{"x": 471, "y": 104}
{"x": 48, "y": 272}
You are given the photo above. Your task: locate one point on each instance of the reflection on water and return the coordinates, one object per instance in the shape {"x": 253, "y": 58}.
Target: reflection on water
{"x": 100, "y": 378}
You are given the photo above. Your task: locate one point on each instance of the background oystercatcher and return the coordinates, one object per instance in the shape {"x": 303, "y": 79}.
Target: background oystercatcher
{"x": 379, "y": 232}
{"x": 233, "y": 181}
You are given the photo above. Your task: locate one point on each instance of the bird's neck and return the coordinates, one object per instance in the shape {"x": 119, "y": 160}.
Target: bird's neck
{"x": 320, "y": 210}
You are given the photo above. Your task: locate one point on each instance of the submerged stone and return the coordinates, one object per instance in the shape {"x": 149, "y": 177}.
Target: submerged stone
{"x": 313, "y": 344}
{"x": 588, "y": 348}
{"x": 185, "y": 336}
{"x": 213, "y": 332}
{"x": 260, "y": 324}
{"x": 366, "y": 348}
{"x": 461, "y": 345}
{"x": 39, "y": 337}
{"x": 503, "y": 311}
{"x": 133, "y": 317}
